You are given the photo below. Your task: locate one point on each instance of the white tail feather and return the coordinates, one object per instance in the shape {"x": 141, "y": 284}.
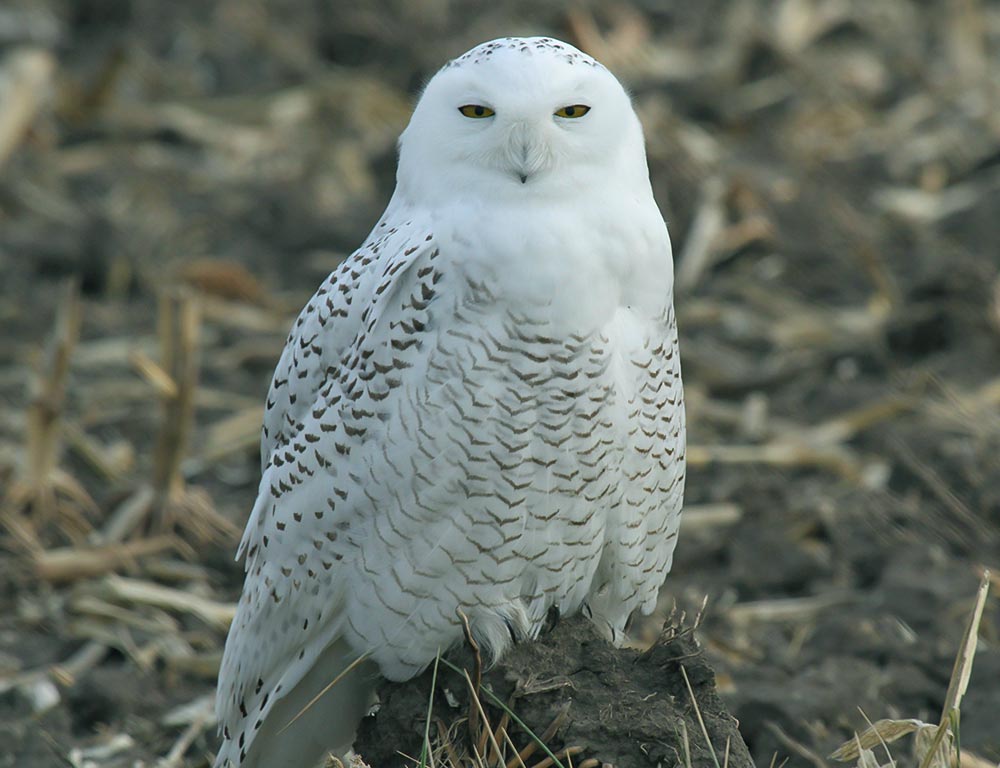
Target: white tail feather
{"x": 293, "y": 738}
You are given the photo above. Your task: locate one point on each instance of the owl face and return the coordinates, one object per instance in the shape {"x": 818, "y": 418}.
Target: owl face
{"x": 522, "y": 116}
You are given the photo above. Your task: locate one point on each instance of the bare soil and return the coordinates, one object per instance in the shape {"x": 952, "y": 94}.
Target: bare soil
{"x": 623, "y": 706}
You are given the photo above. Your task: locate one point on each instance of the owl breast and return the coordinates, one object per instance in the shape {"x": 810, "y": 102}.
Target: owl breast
{"x": 526, "y": 462}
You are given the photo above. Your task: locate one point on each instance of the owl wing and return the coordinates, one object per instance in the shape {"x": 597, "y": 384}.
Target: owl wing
{"x": 325, "y": 328}
{"x": 289, "y": 613}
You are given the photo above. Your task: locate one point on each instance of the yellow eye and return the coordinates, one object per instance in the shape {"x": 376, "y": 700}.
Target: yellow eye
{"x": 574, "y": 110}
{"x": 476, "y": 110}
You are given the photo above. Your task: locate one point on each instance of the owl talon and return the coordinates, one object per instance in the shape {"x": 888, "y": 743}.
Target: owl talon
{"x": 511, "y": 631}
{"x": 552, "y": 617}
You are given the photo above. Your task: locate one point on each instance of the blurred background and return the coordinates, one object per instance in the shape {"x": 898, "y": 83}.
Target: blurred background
{"x": 176, "y": 178}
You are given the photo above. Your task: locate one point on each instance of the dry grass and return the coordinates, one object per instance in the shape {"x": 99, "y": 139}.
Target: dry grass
{"x": 472, "y": 741}
{"x": 42, "y": 498}
{"x": 935, "y": 745}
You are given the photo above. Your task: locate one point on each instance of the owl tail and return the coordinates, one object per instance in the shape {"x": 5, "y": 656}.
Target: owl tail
{"x": 299, "y": 734}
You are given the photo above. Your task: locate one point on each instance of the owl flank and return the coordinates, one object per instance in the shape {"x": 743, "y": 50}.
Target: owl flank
{"x": 480, "y": 410}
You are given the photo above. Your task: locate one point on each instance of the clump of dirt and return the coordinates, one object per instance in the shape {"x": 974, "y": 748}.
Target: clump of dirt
{"x": 623, "y": 706}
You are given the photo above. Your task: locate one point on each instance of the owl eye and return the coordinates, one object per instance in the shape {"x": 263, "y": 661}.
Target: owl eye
{"x": 574, "y": 110}
{"x": 476, "y": 111}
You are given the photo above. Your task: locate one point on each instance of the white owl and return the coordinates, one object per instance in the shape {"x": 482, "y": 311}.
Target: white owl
{"x": 481, "y": 409}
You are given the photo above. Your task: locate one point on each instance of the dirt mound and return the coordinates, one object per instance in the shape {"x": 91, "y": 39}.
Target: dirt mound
{"x": 624, "y": 707}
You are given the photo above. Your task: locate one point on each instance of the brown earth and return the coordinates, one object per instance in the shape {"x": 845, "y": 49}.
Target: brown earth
{"x": 621, "y": 706}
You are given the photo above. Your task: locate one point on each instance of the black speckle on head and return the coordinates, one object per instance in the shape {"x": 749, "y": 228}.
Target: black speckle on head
{"x": 544, "y": 44}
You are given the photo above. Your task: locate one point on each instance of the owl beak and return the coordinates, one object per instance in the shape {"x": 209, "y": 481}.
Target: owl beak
{"x": 524, "y": 171}
{"x": 526, "y": 151}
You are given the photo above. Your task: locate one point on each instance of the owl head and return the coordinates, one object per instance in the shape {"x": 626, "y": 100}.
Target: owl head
{"x": 519, "y": 118}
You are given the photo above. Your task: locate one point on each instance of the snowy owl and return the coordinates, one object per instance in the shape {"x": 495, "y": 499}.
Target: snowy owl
{"x": 479, "y": 412}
